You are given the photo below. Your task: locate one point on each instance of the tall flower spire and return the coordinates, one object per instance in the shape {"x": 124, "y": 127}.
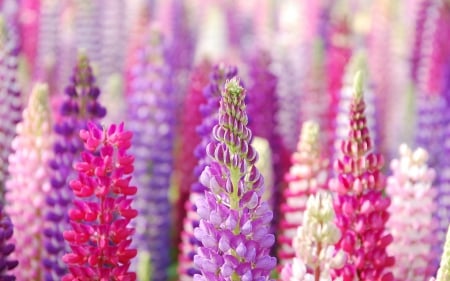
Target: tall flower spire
{"x": 361, "y": 207}
{"x": 29, "y": 184}
{"x": 100, "y": 236}
{"x": 189, "y": 244}
{"x": 314, "y": 243}
{"x": 234, "y": 225}
{"x": 307, "y": 175}
{"x": 412, "y": 197}
{"x": 152, "y": 122}
{"x": 79, "y": 107}
{"x": 10, "y": 96}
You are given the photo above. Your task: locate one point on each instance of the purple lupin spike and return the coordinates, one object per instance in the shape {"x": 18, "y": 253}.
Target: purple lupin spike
{"x": 235, "y": 222}
{"x": 189, "y": 244}
{"x": 10, "y": 96}
{"x": 6, "y": 232}
{"x": 79, "y": 107}
{"x": 151, "y": 120}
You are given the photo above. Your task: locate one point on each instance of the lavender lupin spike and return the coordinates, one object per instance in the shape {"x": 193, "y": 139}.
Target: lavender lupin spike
{"x": 47, "y": 43}
{"x": 289, "y": 66}
{"x": 113, "y": 39}
{"x": 151, "y": 120}
{"x": 86, "y": 33}
{"x": 432, "y": 111}
{"x": 79, "y": 107}
{"x": 189, "y": 244}
{"x": 235, "y": 222}
{"x": 10, "y": 96}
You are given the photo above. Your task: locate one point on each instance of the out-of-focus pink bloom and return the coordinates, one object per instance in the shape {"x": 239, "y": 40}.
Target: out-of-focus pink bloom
{"x": 411, "y": 222}
{"x": 29, "y": 184}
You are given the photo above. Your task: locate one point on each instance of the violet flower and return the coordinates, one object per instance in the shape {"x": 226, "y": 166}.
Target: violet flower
{"x": 208, "y": 110}
{"x": 151, "y": 118}
{"x": 29, "y": 184}
{"x": 235, "y": 223}
{"x": 47, "y": 43}
{"x": 315, "y": 255}
{"x": 100, "y": 237}
{"x": 432, "y": 108}
{"x": 7, "y": 248}
{"x": 10, "y": 96}
{"x": 79, "y": 107}
{"x": 361, "y": 207}
{"x": 307, "y": 175}
{"x": 411, "y": 222}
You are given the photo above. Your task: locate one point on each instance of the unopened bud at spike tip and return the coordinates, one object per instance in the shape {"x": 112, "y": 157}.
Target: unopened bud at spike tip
{"x": 232, "y": 86}
{"x": 358, "y": 83}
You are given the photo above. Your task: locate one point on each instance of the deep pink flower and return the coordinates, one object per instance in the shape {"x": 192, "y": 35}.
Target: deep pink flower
{"x": 100, "y": 238}
{"x": 361, "y": 207}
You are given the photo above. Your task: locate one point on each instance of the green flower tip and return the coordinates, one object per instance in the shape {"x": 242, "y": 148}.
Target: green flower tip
{"x": 310, "y": 130}
{"x": 233, "y": 89}
{"x": 358, "y": 83}
{"x": 144, "y": 267}
{"x": 358, "y": 61}
{"x": 40, "y": 94}
{"x": 3, "y": 31}
{"x": 83, "y": 59}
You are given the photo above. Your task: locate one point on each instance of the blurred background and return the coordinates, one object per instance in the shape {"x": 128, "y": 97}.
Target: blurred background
{"x": 296, "y": 58}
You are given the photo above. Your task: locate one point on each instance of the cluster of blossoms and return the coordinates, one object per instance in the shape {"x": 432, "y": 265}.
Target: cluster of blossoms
{"x": 10, "y": 95}
{"x": 29, "y": 170}
{"x": 235, "y": 223}
{"x": 307, "y": 175}
{"x": 79, "y": 106}
{"x": 100, "y": 238}
{"x": 360, "y": 205}
{"x": 151, "y": 119}
{"x": 411, "y": 224}
{"x": 315, "y": 254}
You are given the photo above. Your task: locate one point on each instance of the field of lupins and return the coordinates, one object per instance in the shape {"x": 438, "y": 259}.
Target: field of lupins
{"x": 234, "y": 140}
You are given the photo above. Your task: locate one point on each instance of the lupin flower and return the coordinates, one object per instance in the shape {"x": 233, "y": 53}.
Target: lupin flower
{"x": 443, "y": 273}
{"x": 189, "y": 244}
{"x": 10, "y": 96}
{"x": 7, "y": 248}
{"x": 151, "y": 119}
{"x": 79, "y": 107}
{"x": 307, "y": 175}
{"x": 235, "y": 222}
{"x": 29, "y": 184}
{"x": 290, "y": 59}
{"x": 100, "y": 237}
{"x": 432, "y": 127}
{"x": 315, "y": 255}
{"x": 361, "y": 207}
{"x": 411, "y": 222}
